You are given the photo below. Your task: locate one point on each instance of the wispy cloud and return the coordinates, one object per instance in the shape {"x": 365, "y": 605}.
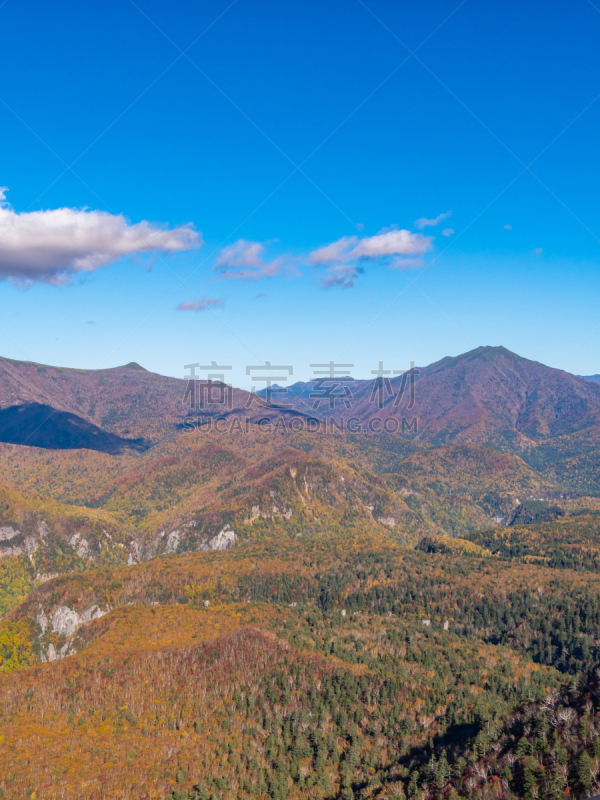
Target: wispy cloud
{"x": 447, "y": 231}
{"x": 334, "y": 251}
{"x": 245, "y": 261}
{"x": 53, "y": 245}
{"x": 423, "y": 222}
{"x": 201, "y": 304}
{"x": 341, "y": 276}
{"x": 405, "y": 263}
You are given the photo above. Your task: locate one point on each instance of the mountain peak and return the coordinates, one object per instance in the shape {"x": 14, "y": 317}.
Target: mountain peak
{"x": 491, "y": 351}
{"x": 134, "y": 365}
{"x": 483, "y": 353}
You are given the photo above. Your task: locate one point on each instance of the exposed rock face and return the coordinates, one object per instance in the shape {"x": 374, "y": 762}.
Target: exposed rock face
{"x": 80, "y": 545}
{"x": 27, "y": 545}
{"x": 20, "y": 542}
{"x": 65, "y": 621}
{"x": 173, "y": 541}
{"x": 135, "y": 553}
{"x": 258, "y": 513}
{"x": 42, "y": 620}
{"x": 6, "y": 534}
{"x": 224, "y": 539}
{"x": 54, "y": 654}
{"x": 255, "y": 513}
{"x": 183, "y": 538}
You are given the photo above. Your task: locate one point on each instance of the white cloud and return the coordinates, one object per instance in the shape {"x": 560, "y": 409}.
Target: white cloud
{"x": 51, "y": 246}
{"x": 398, "y": 249}
{"x": 508, "y": 227}
{"x": 447, "y": 231}
{"x": 244, "y": 261}
{"x": 423, "y": 222}
{"x": 201, "y": 304}
{"x": 537, "y": 251}
{"x": 335, "y": 251}
{"x": 392, "y": 243}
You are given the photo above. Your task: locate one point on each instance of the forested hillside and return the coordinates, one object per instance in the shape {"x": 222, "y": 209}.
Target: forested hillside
{"x": 204, "y": 490}
{"x": 318, "y": 668}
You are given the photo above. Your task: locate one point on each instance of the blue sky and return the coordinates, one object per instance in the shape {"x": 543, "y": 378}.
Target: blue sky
{"x": 286, "y": 128}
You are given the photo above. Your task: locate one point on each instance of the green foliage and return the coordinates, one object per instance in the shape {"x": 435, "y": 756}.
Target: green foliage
{"x": 17, "y": 644}
{"x": 17, "y": 579}
{"x": 569, "y": 543}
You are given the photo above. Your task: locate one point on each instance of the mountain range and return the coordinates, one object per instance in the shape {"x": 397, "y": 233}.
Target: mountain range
{"x": 488, "y": 395}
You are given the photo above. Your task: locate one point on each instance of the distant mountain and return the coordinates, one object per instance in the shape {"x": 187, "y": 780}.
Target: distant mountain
{"x": 591, "y": 378}
{"x": 126, "y": 401}
{"x": 488, "y": 395}
{"x": 493, "y": 395}
{"x": 110, "y": 409}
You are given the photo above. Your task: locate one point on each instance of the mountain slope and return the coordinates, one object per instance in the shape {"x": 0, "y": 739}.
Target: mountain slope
{"x": 259, "y": 482}
{"x": 39, "y": 425}
{"x": 487, "y": 395}
{"x": 321, "y": 657}
{"x": 40, "y": 538}
{"x": 491, "y": 394}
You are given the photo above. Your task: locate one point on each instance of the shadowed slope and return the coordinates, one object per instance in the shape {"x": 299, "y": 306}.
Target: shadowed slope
{"x": 38, "y": 425}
